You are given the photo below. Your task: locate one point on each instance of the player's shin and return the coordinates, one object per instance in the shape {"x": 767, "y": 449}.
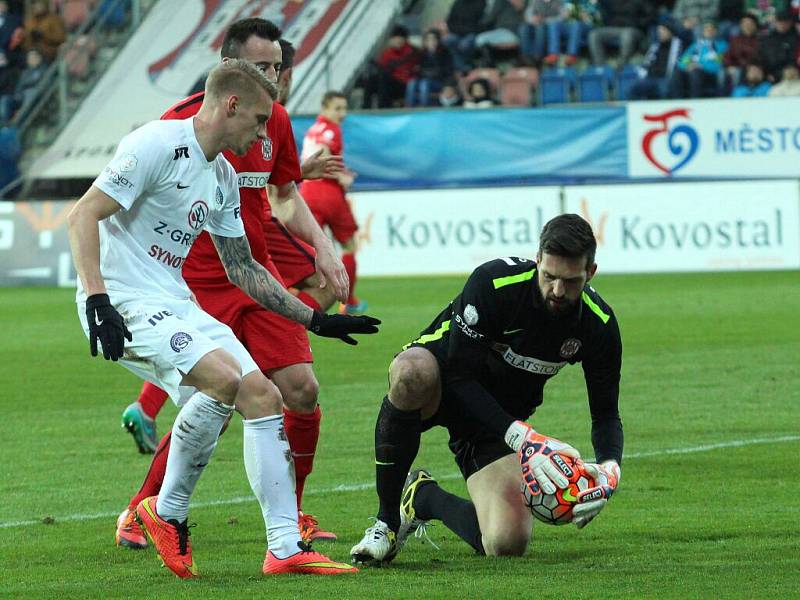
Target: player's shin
{"x": 151, "y": 486}
{"x": 194, "y": 437}
{"x": 458, "y": 514}
{"x": 302, "y": 431}
{"x": 397, "y": 437}
{"x": 270, "y": 470}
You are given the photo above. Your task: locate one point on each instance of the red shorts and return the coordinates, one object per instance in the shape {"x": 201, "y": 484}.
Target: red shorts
{"x": 273, "y": 341}
{"x": 294, "y": 259}
{"x": 331, "y": 208}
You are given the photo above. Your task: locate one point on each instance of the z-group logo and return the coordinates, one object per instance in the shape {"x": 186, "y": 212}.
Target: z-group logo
{"x": 671, "y": 142}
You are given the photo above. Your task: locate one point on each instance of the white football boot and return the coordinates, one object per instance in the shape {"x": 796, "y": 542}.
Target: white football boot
{"x": 378, "y": 546}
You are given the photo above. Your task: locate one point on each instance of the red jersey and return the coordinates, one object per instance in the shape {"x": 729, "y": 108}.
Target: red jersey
{"x": 323, "y": 132}
{"x": 273, "y": 160}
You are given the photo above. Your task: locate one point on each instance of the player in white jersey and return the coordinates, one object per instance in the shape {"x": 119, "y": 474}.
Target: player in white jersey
{"x": 130, "y": 233}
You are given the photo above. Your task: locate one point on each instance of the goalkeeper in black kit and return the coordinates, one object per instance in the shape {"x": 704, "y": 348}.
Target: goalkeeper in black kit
{"x": 479, "y": 370}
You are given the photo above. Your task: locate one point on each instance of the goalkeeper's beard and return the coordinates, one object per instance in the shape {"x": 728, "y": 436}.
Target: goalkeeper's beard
{"x": 558, "y": 308}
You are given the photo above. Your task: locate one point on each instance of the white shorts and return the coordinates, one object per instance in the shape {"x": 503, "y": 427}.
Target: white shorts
{"x": 170, "y": 336}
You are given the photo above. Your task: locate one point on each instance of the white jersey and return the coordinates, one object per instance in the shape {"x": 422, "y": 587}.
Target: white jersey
{"x": 169, "y": 193}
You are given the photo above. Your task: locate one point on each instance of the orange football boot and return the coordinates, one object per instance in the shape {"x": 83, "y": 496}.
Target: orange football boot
{"x": 170, "y": 538}
{"x": 128, "y": 533}
{"x": 305, "y": 562}
{"x": 310, "y": 529}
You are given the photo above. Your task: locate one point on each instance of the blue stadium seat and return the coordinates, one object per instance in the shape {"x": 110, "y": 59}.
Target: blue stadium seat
{"x": 595, "y": 83}
{"x": 556, "y": 85}
{"x": 625, "y": 79}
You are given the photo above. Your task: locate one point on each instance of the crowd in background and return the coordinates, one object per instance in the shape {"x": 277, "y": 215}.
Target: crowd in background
{"x": 678, "y": 48}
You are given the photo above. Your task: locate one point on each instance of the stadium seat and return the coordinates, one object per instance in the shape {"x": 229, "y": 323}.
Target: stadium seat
{"x": 491, "y": 75}
{"x": 625, "y": 79}
{"x": 595, "y": 83}
{"x": 517, "y": 86}
{"x": 556, "y": 85}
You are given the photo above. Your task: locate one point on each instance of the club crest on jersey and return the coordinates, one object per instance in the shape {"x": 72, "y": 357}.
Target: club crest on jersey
{"x": 219, "y": 199}
{"x": 180, "y": 341}
{"x": 198, "y": 215}
{"x": 266, "y": 149}
{"x": 128, "y": 163}
{"x": 570, "y": 347}
{"x": 471, "y": 314}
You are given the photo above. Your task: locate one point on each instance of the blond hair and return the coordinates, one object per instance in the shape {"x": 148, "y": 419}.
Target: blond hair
{"x": 236, "y": 76}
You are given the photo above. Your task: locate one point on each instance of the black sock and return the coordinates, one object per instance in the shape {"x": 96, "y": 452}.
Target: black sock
{"x": 432, "y": 502}
{"x": 397, "y": 435}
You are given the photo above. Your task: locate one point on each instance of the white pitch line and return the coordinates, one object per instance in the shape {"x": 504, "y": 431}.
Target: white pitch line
{"x": 357, "y": 487}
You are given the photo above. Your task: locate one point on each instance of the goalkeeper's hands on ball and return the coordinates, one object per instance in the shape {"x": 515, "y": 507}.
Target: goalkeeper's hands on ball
{"x": 536, "y": 453}
{"x": 593, "y": 500}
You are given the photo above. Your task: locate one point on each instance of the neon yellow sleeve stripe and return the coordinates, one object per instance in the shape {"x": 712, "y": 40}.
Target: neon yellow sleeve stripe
{"x": 508, "y": 280}
{"x": 431, "y": 336}
{"x": 595, "y": 309}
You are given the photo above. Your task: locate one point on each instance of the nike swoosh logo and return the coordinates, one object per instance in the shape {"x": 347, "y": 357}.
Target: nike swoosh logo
{"x": 385, "y": 464}
{"x": 513, "y": 331}
{"x": 567, "y": 495}
{"x": 182, "y": 187}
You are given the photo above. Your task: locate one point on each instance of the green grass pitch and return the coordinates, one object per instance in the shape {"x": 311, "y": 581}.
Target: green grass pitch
{"x": 707, "y": 505}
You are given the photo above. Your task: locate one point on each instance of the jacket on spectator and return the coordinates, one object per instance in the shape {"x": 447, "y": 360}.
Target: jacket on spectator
{"x": 44, "y": 33}
{"x": 704, "y": 10}
{"x": 401, "y": 63}
{"x": 765, "y": 10}
{"x": 547, "y": 9}
{"x": 776, "y": 50}
{"x": 28, "y": 80}
{"x": 503, "y": 14}
{"x": 661, "y": 58}
{"x": 10, "y": 38}
{"x": 786, "y": 88}
{"x": 705, "y": 53}
{"x": 465, "y": 16}
{"x": 436, "y": 65}
{"x": 757, "y": 91}
{"x": 742, "y": 51}
{"x": 628, "y": 13}
{"x": 585, "y": 10}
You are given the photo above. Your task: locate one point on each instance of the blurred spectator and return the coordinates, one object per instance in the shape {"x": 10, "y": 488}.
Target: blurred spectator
{"x": 25, "y": 88}
{"x": 699, "y": 69}
{"x": 44, "y": 30}
{"x": 730, "y": 13}
{"x": 534, "y": 30}
{"x": 8, "y": 81}
{"x": 766, "y": 11}
{"x": 395, "y": 67}
{"x": 114, "y": 13}
{"x": 658, "y": 66}
{"x": 779, "y": 47}
{"x": 449, "y": 96}
{"x": 500, "y": 25}
{"x": 479, "y": 95}
{"x": 435, "y": 67}
{"x": 10, "y": 38}
{"x": 624, "y": 24}
{"x": 692, "y": 13}
{"x": 10, "y": 151}
{"x": 463, "y": 24}
{"x": 753, "y": 85}
{"x": 578, "y": 19}
{"x": 790, "y": 83}
{"x": 743, "y": 49}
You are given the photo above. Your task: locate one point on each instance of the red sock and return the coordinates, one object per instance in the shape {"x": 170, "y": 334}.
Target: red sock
{"x": 152, "y": 398}
{"x": 302, "y": 431}
{"x": 308, "y": 300}
{"x": 155, "y": 474}
{"x": 349, "y": 262}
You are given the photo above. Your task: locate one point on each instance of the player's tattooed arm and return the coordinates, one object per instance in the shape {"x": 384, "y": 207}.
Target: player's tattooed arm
{"x": 258, "y": 283}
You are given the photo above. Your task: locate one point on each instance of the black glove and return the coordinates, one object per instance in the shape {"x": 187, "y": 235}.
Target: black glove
{"x": 106, "y": 325}
{"x": 340, "y": 326}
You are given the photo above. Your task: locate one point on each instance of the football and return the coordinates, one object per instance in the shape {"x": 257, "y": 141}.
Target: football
{"x": 556, "y": 509}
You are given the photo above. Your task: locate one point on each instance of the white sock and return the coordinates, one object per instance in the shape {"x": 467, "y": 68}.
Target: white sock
{"x": 194, "y": 437}
{"x": 270, "y": 469}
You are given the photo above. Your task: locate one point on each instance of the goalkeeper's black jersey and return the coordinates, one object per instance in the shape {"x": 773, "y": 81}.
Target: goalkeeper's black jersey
{"x": 498, "y": 332}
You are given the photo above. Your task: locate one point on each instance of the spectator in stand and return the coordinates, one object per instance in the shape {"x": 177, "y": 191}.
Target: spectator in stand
{"x": 10, "y": 37}
{"x": 435, "y": 67}
{"x": 743, "y": 49}
{"x": 753, "y": 85}
{"x": 538, "y": 18}
{"x": 789, "y": 84}
{"x": 26, "y": 86}
{"x": 479, "y": 95}
{"x": 658, "y": 66}
{"x": 730, "y": 13}
{"x": 624, "y": 24}
{"x": 700, "y": 67}
{"x": 450, "y": 96}
{"x": 499, "y": 27}
{"x": 766, "y": 11}
{"x": 463, "y": 25}
{"x": 779, "y": 47}
{"x": 44, "y": 30}
{"x": 578, "y": 19}
{"x": 395, "y": 67}
{"x": 693, "y": 13}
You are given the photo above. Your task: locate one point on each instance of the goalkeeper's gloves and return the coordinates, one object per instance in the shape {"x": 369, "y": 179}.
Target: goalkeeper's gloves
{"x": 340, "y": 326}
{"x": 537, "y": 457}
{"x": 592, "y": 501}
{"x": 106, "y": 325}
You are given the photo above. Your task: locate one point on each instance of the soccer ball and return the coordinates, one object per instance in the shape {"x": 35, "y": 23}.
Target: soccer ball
{"x": 556, "y": 509}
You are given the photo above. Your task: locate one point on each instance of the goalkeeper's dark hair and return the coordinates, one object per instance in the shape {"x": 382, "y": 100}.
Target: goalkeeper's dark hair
{"x": 287, "y": 54}
{"x": 238, "y": 34}
{"x": 569, "y": 236}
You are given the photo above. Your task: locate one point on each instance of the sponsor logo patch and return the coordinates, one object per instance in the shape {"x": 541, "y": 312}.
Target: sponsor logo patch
{"x": 253, "y": 179}
{"x": 180, "y": 341}
{"x": 570, "y": 347}
{"x": 128, "y": 163}
{"x": 198, "y": 215}
{"x": 528, "y": 363}
{"x": 471, "y": 314}
{"x": 181, "y": 152}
